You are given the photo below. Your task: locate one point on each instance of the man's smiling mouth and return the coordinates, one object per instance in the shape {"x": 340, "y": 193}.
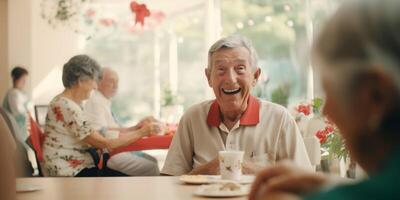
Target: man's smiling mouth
{"x": 232, "y": 91}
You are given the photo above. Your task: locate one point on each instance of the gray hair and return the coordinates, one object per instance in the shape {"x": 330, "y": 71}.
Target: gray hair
{"x": 362, "y": 35}
{"x": 234, "y": 41}
{"x": 80, "y": 67}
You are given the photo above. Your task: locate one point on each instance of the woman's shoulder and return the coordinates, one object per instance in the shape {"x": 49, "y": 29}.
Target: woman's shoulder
{"x": 63, "y": 102}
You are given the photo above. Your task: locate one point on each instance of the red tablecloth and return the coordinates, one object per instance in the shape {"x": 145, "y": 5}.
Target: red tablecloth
{"x": 153, "y": 142}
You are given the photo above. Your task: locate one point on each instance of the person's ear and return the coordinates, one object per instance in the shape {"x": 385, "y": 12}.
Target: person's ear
{"x": 377, "y": 92}
{"x": 207, "y": 72}
{"x": 256, "y": 75}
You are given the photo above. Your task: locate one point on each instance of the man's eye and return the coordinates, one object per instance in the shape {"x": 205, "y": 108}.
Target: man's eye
{"x": 241, "y": 67}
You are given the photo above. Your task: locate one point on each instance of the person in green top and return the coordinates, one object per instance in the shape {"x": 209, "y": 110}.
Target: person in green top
{"x": 16, "y": 101}
{"x": 358, "y": 56}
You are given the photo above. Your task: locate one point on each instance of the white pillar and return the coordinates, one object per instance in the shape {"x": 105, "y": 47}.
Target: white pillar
{"x": 310, "y": 36}
{"x": 173, "y": 64}
{"x": 213, "y": 29}
{"x": 157, "y": 88}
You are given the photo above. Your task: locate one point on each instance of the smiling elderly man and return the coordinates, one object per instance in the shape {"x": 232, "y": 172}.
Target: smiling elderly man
{"x": 235, "y": 120}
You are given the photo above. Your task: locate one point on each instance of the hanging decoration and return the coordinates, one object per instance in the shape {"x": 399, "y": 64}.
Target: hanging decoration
{"x": 141, "y": 12}
{"x": 89, "y": 19}
{"x": 62, "y": 12}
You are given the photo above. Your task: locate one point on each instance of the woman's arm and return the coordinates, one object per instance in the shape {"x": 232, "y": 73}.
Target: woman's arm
{"x": 97, "y": 140}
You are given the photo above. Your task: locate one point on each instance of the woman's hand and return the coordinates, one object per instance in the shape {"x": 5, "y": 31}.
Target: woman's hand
{"x": 285, "y": 179}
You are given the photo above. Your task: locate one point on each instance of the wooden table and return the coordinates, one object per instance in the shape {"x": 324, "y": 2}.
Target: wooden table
{"x": 107, "y": 188}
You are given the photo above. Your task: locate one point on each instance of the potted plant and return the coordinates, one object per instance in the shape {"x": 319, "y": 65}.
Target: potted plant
{"x": 312, "y": 122}
{"x": 171, "y": 109}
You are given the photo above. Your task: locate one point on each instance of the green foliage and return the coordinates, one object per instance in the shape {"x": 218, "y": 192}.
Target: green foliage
{"x": 281, "y": 95}
{"x": 335, "y": 146}
{"x": 317, "y": 105}
{"x": 169, "y": 98}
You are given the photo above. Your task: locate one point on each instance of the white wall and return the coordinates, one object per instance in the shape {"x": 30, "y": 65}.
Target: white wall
{"x": 4, "y": 69}
{"x": 51, "y": 48}
{"x": 19, "y": 34}
{"x": 40, "y": 48}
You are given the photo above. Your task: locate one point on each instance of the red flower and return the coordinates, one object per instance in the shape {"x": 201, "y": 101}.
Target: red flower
{"x": 305, "y": 109}
{"x": 141, "y": 12}
{"x": 322, "y": 136}
{"x": 59, "y": 115}
{"x": 74, "y": 163}
{"x": 329, "y": 129}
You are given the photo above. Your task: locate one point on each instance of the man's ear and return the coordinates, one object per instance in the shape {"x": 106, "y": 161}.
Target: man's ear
{"x": 256, "y": 75}
{"x": 207, "y": 71}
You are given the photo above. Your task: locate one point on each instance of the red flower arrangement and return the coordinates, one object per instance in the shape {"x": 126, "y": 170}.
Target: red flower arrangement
{"x": 332, "y": 143}
{"x": 323, "y": 134}
{"x": 304, "y": 108}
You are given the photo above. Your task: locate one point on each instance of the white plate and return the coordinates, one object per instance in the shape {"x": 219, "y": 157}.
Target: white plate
{"x": 28, "y": 187}
{"x": 207, "y": 179}
{"x": 209, "y": 191}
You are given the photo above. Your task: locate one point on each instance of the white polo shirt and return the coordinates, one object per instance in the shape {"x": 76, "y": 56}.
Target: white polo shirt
{"x": 265, "y": 130}
{"x": 98, "y": 110}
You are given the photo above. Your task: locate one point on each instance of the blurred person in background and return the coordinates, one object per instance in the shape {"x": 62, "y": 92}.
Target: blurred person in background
{"x": 16, "y": 101}
{"x": 98, "y": 110}
{"x": 358, "y": 55}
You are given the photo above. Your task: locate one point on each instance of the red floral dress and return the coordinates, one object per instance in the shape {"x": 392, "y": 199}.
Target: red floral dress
{"x": 66, "y": 126}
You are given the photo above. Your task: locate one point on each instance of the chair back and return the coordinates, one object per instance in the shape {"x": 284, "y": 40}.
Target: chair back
{"x": 40, "y": 114}
{"x": 36, "y": 138}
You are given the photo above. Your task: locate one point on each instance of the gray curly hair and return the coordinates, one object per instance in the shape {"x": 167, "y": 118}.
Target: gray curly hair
{"x": 234, "y": 41}
{"x": 80, "y": 67}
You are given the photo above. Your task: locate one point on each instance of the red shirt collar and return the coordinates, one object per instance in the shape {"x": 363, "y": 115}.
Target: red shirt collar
{"x": 250, "y": 116}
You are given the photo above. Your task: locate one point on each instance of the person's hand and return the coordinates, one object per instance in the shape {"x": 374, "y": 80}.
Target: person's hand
{"x": 210, "y": 168}
{"x": 251, "y": 167}
{"x": 285, "y": 179}
{"x": 151, "y": 128}
{"x": 145, "y": 121}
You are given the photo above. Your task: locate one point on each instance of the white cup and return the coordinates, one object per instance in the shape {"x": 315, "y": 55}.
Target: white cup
{"x": 112, "y": 134}
{"x": 230, "y": 164}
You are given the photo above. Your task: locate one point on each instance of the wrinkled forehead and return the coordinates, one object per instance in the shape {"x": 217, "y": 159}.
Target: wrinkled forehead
{"x": 231, "y": 55}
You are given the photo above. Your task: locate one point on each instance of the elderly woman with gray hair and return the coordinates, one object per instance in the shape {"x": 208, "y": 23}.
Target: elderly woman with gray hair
{"x": 358, "y": 53}
{"x": 68, "y": 134}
